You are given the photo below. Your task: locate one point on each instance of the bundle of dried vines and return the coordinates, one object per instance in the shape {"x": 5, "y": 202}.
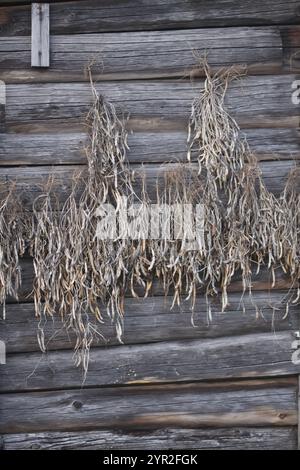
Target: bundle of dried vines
{"x": 286, "y": 231}
{"x": 256, "y": 227}
{"x": 12, "y": 242}
{"x": 84, "y": 277}
{"x": 76, "y": 272}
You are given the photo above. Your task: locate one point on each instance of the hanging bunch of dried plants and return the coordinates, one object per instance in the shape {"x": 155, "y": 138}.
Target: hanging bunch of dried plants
{"x": 211, "y": 220}
{"x": 255, "y": 225}
{"x": 12, "y": 242}
{"x": 213, "y": 135}
{"x": 286, "y": 231}
{"x": 175, "y": 252}
{"x": 46, "y": 248}
{"x": 78, "y": 273}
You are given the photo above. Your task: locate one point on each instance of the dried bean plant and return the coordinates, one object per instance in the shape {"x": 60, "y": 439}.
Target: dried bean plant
{"x": 77, "y": 273}
{"x": 12, "y": 242}
{"x": 83, "y": 277}
{"x": 286, "y": 231}
{"x": 254, "y": 225}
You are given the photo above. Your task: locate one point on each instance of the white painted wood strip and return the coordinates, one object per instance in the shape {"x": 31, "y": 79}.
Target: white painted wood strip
{"x": 40, "y": 33}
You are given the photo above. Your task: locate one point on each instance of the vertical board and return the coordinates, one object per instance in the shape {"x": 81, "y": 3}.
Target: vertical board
{"x": 40, "y": 35}
{"x": 2, "y": 105}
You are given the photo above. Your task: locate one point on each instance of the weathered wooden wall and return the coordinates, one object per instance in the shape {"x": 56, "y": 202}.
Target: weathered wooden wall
{"x": 230, "y": 384}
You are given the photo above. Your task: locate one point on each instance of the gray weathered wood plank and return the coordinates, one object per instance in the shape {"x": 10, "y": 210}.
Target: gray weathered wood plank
{"x": 151, "y": 320}
{"x": 2, "y": 106}
{"x": 298, "y": 436}
{"x": 291, "y": 46}
{"x": 30, "y": 180}
{"x": 260, "y": 282}
{"x": 129, "y": 15}
{"x": 143, "y": 54}
{"x": 147, "y": 147}
{"x": 40, "y": 33}
{"x": 253, "y": 355}
{"x": 247, "y": 438}
{"x": 254, "y": 101}
{"x": 225, "y": 404}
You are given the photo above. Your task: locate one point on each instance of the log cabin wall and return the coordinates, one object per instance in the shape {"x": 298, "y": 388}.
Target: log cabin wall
{"x": 228, "y": 385}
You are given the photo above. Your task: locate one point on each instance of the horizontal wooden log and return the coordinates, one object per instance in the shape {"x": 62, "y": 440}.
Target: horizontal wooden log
{"x": 290, "y": 36}
{"x": 128, "y": 15}
{"x": 19, "y": 2}
{"x": 254, "y": 102}
{"x": 153, "y": 54}
{"x": 27, "y": 2}
{"x": 147, "y": 147}
{"x": 261, "y": 282}
{"x": 254, "y": 355}
{"x": 268, "y": 438}
{"x": 254, "y": 98}
{"x": 143, "y": 54}
{"x": 291, "y": 48}
{"x": 230, "y": 404}
{"x": 151, "y": 320}
{"x": 30, "y": 180}
{"x": 298, "y": 412}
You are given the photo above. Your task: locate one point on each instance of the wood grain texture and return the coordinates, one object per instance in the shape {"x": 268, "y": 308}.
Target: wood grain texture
{"x": 247, "y": 438}
{"x": 2, "y": 118}
{"x": 298, "y": 434}
{"x": 130, "y": 15}
{"x": 151, "y": 320}
{"x": 129, "y": 402}
{"x": 254, "y": 355}
{"x": 254, "y": 101}
{"x": 2, "y": 106}
{"x": 260, "y": 282}
{"x": 291, "y": 48}
{"x": 232, "y": 404}
{"x": 40, "y": 31}
{"x": 147, "y": 147}
{"x": 31, "y": 180}
{"x": 137, "y": 55}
